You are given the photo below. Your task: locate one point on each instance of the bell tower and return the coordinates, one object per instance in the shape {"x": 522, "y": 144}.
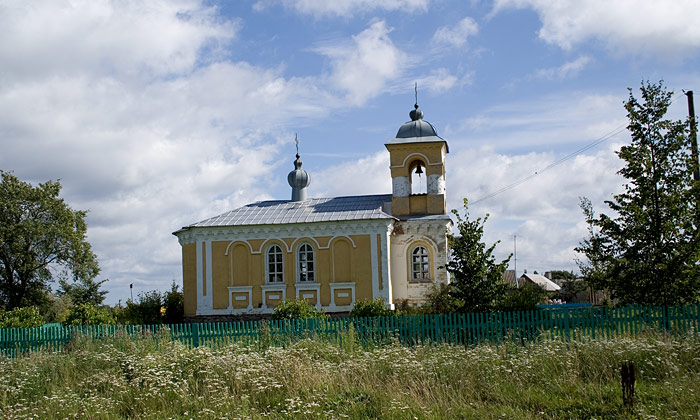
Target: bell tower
{"x": 417, "y": 155}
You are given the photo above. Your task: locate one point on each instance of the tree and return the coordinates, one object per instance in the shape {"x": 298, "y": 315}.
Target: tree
{"x": 148, "y": 310}
{"x": 478, "y": 284}
{"x": 83, "y": 290}
{"x": 647, "y": 251}
{"x": 26, "y": 317}
{"x": 38, "y": 232}
{"x": 88, "y": 314}
{"x": 174, "y": 303}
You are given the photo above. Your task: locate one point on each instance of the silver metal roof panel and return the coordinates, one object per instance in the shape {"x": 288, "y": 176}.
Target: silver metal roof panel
{"x": 362, "y": 207}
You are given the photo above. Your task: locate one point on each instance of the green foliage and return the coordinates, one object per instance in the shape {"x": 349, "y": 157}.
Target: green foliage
{"x": 478, "y": 279}
{"x": 440, "y": 300}
{"x": 148, "y": 310}
{"x": 571, "y": 288}
{"x": 296, "y": 308}
{"x": 370, "y": 308}
{"x": 174, "y": 303}
{"x": 27, "y": 317}
{"x": 647, "y": 251}
{"x": 55, "y": 308}
{"x": 88, "y": 314}
{"x": 563, "y": 275}
{"x": 525, "y": 298}
{"x": 37, "y": 230}
{"x": 83, "y": 290}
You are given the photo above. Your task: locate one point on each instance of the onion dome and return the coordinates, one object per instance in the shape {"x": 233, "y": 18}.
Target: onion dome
{"x": 298, "y": 179}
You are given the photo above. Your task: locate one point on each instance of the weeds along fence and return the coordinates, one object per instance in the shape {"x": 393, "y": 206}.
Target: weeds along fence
{"x": 464, "y": 329}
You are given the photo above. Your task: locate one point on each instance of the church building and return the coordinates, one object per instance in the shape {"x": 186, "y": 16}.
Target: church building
{"x": 330, "y": 252}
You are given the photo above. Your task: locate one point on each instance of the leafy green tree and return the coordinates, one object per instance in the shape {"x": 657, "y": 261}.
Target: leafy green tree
{"x": 647, "y": 250}
{"x": 26, "y": 317}
{"x": 524, "y": 298}
{"x": 365, "y": 308}
{"x": 478, "y": 284}
{"x": 88, "y": 314}
{"x": 83, "y": 290}
{"x": 148, "y": 310}
{"x": 38, "y": 231}
{"x": 295, "y": 309}
{"x": 562, "y": 275}
{"x": 174, "y": 302}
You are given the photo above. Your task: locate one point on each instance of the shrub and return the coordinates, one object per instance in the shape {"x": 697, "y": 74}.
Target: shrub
{"x": 148, "y": 310}
{"x": 296, "y": 308}
{"x": 174, "y": 303}
{"x": 440, "y": 300}
{"x": 88, "y": 314}
{"x": 524, "y": 298}
{"x": 370, "y": 308}
{"x": 27, "y": 317}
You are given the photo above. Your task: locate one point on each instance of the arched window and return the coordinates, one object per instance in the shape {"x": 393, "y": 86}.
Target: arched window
{"x": 305, "y": 263}
{"x": 420, "y": 264}
{"x": 275, "y": 264}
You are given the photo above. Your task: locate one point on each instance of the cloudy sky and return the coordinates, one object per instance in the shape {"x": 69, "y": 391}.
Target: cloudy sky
{"x": 158, "y": 114}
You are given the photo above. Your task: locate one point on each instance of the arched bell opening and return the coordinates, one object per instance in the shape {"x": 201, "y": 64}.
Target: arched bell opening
{"x": 419, "y": 178}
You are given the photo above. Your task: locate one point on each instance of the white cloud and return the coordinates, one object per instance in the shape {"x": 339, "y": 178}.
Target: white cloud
{"x": 149, "y": 130}
{"x": 566, "y": 70}
{"x": 648, "y": 27}
{"x": 441, "y": 80}
{"x": 458, "y": 34}
{"x": 369, "y": 175}
{"x": 345, "y": 8}
{"x": 107, "y": 38}
{"x": 363, "y": 67}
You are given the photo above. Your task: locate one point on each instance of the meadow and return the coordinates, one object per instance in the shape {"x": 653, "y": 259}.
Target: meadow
{"x": 155, "y": 377}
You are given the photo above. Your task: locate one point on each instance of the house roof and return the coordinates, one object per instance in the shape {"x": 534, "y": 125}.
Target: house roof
{"x": 542, "y": 281}
{"x": 274, "y": 212}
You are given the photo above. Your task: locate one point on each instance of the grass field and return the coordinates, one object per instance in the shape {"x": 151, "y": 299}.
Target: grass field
{"x": 160, "y": 379}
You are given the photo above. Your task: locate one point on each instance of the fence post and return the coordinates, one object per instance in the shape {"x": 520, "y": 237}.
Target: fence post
{"x": 195, "y": 335}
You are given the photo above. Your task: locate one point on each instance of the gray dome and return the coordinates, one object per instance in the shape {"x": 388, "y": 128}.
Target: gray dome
{"x": 417, "y": 127}
{"x": 298, "y": 178}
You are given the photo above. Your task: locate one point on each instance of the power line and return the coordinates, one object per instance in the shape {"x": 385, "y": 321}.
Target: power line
{"x": 600, "y": 140}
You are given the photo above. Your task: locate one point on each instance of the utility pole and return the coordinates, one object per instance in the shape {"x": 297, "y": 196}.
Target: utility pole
{"x": 515, "y": 261}
{"x": 693, "y": 136}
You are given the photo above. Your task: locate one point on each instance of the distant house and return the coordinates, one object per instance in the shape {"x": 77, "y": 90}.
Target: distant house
{"x": 540, "y": 280}
{"x": 509, "y": 278}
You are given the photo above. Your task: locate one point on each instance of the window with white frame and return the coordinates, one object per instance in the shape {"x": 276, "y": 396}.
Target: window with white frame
{"x": 305, "y": 263}
{"x": 420, "y": 264}
{"x": 275, "y": 264}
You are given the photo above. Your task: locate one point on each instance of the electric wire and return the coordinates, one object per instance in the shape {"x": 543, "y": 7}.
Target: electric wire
{"x": 597, "y": 142}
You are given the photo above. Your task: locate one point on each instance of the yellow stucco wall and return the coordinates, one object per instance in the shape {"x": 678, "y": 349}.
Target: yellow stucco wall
{"x": 243, "y": 263}
{"x": 189, "y": 278}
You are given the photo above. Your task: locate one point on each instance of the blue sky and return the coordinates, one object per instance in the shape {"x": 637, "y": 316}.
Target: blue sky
{"x": 158, "y": 114}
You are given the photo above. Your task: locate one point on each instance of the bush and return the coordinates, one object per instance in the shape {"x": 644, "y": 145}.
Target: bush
{"x": 370, "y": 308}
{"x": 27, "y": 317}
{"x": 296, "y": 308}
{"x": 174, "y": 303}
{"x": 525, "y": 298}
{"x": 88, "y": 314}
{"x": 148, "y": 310}
{"x": 440, "y": 300}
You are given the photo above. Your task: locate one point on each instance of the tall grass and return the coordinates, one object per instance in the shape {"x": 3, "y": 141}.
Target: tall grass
{"x": 157, "y": 378}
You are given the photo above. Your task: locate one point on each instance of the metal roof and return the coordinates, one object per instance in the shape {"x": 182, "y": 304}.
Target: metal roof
{"x": 360, "y": 207}
{"x": 542, "y": 281}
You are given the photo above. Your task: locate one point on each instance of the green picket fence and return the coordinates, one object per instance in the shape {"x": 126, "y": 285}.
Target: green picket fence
{"x": 464, "y": 329}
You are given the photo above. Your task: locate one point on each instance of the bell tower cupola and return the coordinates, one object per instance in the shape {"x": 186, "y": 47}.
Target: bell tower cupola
{"x": 417, "y": 163}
